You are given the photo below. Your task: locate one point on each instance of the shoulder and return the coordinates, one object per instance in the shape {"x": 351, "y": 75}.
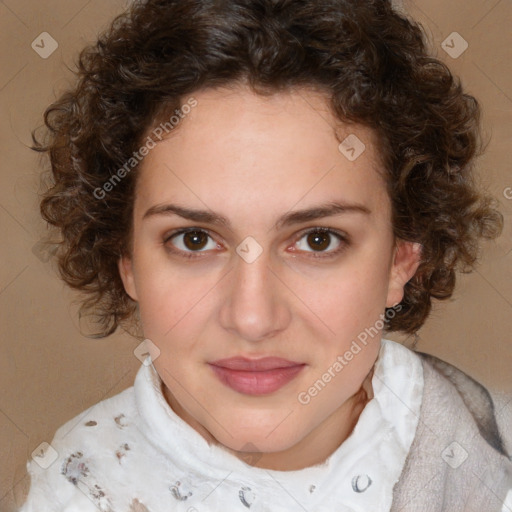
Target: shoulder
{"x": 471, "y": 395}
{"x": 68, "y": 469}
{"x": 457, "y": 457}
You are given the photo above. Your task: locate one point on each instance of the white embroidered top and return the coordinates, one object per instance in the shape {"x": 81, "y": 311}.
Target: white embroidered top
{"x": 132, "y": 453}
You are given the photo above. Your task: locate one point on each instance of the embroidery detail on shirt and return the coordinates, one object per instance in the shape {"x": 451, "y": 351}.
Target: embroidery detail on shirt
{"x": 100, "y": 499}
{"x": 137, "y": 506}
{"x": 312, "y": 488}
{"x": 246, "y": 496}
{"x": 175, "y": 491}
{"x": 91, "y": 423}
{"x": 76, "y": 471}
{"x": 361, "y": 482}
{"x": 97, "y": 492}
{"x": 73, "y": 468}
{"x": 120, "y": 421}
{"x": 121, "y": 452}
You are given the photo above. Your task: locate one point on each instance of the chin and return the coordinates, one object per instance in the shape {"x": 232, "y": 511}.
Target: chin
{"x": 260, "y": 440}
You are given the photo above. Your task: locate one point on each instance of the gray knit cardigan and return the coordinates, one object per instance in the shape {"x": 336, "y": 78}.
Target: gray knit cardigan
{"x": 457, "y": 461}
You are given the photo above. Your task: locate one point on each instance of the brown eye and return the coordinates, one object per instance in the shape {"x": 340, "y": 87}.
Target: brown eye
{"x": 322, "y": 240}
{"x": 195, "y": 240}
{"x": 188, "y": 241}
{"x": 319, "y": 241}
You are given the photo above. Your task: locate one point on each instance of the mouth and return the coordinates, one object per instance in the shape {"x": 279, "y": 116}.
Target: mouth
{"x": 256, "y": 376}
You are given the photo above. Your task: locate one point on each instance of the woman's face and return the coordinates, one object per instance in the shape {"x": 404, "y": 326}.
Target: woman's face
{"x": 258, "y": 180}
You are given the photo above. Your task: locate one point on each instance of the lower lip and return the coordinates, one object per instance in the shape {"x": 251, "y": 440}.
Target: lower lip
{"x": 256, "y": 383}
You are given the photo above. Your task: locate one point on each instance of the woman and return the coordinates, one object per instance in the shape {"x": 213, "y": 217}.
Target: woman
{"x": 266, "y": 187}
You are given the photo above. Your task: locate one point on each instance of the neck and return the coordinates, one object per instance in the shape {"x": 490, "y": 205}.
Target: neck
{"x": 313, "y": 449}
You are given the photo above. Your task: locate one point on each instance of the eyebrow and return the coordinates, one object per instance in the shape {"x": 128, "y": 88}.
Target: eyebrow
{"x": 290, "y": 218}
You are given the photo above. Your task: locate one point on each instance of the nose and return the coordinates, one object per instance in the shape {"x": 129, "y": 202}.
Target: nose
{"x": 254, "y": 307}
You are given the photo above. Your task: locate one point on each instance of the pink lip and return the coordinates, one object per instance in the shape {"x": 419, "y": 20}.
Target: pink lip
{"x": 256, "y": 376}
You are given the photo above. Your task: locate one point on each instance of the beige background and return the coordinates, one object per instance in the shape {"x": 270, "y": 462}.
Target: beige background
{"x": 49, "y": 372}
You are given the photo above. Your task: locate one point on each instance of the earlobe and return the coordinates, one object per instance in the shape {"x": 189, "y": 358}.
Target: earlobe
{"x": 406, "y": 260}
{"x": 125, "y": 266}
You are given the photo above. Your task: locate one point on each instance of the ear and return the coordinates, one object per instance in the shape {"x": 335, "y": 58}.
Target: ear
{"x": 406, "y": 259}
{"x": 125, "y": 266}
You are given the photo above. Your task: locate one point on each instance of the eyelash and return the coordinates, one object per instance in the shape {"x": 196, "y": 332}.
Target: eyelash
{"x": 344, "y": 242}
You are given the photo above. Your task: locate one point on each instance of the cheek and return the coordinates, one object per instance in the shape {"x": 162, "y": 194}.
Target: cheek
{"x": 172, "y": 301}
{"x": 347, "y": 308}
{"x": 347, "y": 298}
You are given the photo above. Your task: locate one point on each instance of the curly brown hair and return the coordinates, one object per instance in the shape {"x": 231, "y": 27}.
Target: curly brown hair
{"x": 372, "y": 62}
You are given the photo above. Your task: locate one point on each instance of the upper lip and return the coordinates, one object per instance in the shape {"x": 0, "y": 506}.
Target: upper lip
{"x": 255, "y": 365}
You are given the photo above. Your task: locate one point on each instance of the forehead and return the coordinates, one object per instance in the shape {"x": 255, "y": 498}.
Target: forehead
{"x": 240, "y": 150}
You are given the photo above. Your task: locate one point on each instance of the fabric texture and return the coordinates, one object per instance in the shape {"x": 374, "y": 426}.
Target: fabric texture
{"x": 132, "y": 453}
{"x": 457, "y": 425}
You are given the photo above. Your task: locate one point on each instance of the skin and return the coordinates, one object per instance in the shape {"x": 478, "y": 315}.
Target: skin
{"x": 253, "y": 159}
